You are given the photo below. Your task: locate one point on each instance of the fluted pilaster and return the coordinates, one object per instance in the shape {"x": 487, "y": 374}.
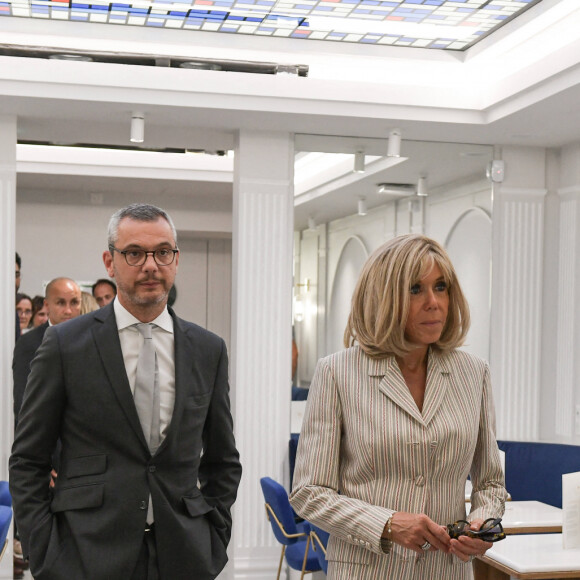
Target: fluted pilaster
{"x": 518, "y": 236}
{"x": 568, "y": 313}
{"x": 7, "y": 311}
{"x": 261, "y": 337}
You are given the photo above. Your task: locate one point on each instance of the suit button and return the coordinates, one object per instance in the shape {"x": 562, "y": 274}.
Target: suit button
{"x": 152, "y": 469}
{"x": 420, "y": 481}
{"x": 143, "y": 505}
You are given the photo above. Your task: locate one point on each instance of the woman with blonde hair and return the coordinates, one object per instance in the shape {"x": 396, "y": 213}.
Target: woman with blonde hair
{"x": 88, "y": 303}
{"x": 396, "y": 423}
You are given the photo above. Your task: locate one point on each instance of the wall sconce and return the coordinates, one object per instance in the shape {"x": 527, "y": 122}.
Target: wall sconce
{"x": 299, "y": 301}
{"x": 394, "y": 146}
{"x": 311, "y": 224}
{"x": 137, "y": 127}
{"x": 422, "y": 187}
{"x": 362, "y": 206}
{"x": 298, "y": 309}
{"x": 306, "y": 285}
{"x": 359, "y": 162}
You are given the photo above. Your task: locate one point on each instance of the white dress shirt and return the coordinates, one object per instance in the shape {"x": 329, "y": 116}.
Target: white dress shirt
{"x": 131, "y": 343}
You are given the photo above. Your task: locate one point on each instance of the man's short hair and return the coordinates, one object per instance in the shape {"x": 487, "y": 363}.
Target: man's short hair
{"x": 140, "y": 212}
{"x": 18, "y": 260}
{"x": 105, "y": 281}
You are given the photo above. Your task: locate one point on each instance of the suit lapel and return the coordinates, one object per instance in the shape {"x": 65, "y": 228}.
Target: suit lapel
{"x": 393, "y": 386}
{"x": 437, "y": 385}
{"x": 106, "y": 337}
{"x": 184, "y": 357}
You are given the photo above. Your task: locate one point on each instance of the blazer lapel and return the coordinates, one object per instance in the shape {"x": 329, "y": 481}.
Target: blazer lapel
{"x": 393, "y": 385}
{"x": 106, "y": 337}
{"x": 437, "y": 383}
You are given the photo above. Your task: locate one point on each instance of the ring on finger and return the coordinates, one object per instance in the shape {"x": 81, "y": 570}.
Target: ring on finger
{"x": 425, "y": 546}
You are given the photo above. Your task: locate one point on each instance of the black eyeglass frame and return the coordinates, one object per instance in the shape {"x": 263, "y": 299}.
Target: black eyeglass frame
{"x": 152, "y": 252}
{"x": 488, "y": 532}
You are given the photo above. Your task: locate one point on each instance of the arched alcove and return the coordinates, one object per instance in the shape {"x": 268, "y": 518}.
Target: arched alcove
{"x": 469, "y": 247}
{"x": 352, "y": 258}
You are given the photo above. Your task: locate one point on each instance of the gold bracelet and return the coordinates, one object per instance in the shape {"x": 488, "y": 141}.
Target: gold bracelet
{"x": 387, "y": 543}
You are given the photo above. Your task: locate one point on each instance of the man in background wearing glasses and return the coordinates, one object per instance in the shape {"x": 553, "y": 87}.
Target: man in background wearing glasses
{"x": 144, "y": 490}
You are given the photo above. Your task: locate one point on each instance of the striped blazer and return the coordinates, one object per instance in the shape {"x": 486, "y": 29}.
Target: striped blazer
{"x": 366, "y": 451}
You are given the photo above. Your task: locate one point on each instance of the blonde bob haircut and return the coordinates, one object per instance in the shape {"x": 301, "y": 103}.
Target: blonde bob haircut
{"x": 380, "y": 303}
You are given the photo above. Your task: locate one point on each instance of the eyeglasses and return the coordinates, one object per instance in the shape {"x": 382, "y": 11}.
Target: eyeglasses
{"x": 491, "y": 530}
{"x": 162, "y": 257}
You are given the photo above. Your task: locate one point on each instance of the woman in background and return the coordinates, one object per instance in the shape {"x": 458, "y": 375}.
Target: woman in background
{"x": 24, "y": 311}
{"x": 88, "y": 303}
{"x": 39, "y": 312}
{"x": 395, "y": 424}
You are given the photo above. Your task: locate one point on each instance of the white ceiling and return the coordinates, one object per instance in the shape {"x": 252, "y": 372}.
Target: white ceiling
{"x": 519, "y": 86}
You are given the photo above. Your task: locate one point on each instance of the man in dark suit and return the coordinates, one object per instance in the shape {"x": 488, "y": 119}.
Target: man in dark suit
{"x": 63, "y": 302}
{"x": 122, "y": 509}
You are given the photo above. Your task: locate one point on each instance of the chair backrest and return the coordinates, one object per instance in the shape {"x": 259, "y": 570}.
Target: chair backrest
{"x": 5, "y": 497}
{"x": 320, "y": 541}
{"x": 5, "y": 517}
{"x": 533, "y": 471}
{"x": 277, "y": 498}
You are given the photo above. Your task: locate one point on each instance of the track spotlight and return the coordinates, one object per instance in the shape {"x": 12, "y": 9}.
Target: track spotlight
{"x": 362, "y": 206}
{"x": 394, "y": 147}
{"x": 422, "y": 187}
{"x": 137, "y": 127}
{"x": 359, "y": 162}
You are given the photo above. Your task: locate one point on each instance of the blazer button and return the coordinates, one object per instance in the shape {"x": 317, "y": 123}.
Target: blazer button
{"x": 420, "y": 481}
{"x": 152, "y": 468}
{"x": 143, "y": 505}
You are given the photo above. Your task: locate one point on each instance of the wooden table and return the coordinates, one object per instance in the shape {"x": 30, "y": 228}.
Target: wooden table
{"x": 528, "y": 557}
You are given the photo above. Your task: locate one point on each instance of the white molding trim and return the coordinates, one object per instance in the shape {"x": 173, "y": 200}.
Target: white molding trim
{"x": 476, "y": 209}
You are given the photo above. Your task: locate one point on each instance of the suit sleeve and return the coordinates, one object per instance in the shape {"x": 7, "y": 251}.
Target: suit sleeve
{"x": 35, "y": 440}
{"x": 220, "y": 469}
{"x": 489, "y": 494}
{"x": 316, "y": 478}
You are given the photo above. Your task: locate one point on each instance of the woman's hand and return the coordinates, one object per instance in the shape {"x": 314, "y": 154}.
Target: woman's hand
{"x": 414, "y": 530}
{"x": 465, "y": 547}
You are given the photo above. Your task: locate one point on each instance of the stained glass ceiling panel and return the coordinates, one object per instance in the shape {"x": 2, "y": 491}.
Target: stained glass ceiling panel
{"x": 435, "y": 24}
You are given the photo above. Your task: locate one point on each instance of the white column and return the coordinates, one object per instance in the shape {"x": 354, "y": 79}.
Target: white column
{"x": 261, "y": 337}
{"x": 564, "y": 308}
{"x": 7, "y": 312}
{"x": 517, "y": 271}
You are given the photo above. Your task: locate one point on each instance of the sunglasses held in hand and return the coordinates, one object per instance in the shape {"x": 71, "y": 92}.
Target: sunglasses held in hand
{"x": 491, "y": 530}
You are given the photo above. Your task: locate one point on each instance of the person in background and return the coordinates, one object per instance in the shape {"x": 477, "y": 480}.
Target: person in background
{"x": 104, "y": 291}
{"x": 88, "y": 303}
{"x": 395, "y": 423}
{"x": 62, "y": 302}
{"x": 39, "y": 312}
{"x": 24, "y": 311}
{"x": 144, "y": 489}
{"x": 18, "y": 272}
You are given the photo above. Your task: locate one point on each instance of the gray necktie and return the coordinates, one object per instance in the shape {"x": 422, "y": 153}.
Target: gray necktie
{"x": 146, "y": 394}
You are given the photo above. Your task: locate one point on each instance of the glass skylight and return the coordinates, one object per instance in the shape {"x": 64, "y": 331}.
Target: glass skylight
{"x": 436, "y": 24}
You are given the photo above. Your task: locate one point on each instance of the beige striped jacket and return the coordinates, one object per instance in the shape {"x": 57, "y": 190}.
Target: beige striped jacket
{"x": 366, "y": 451}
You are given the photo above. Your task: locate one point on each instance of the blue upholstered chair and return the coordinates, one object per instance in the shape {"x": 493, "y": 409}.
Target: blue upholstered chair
{"x": 5, "y": 518}
{"x": 533, "y": 471}
{"x": 319, "y": 540}
{"x": 295, "y": 538}
{"x": 5, "y": 497}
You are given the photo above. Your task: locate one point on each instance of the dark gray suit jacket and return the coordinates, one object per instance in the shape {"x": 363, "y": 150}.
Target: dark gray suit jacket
{"x": 92, "y": 526}
{"x": 24, "y": 351}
